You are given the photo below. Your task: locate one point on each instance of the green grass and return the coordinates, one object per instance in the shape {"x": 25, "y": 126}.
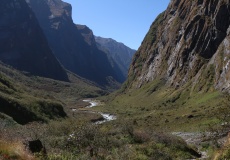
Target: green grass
{"x": 30, "y": 98}
{"x": 109, "y": 142}
{"x": 145, "y": 116}
{"x": 158, "y": 106}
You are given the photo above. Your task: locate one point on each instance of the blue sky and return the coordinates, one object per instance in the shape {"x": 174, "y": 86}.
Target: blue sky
{"x": 126, "y": 21}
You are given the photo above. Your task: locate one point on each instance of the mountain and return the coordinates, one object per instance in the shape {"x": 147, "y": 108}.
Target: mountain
{"x": 33, "y": 84}
{"x": 121, "y": 54}
{"x": 103, "y": 58}
{"x": 75, "y": 51}
{"x": 23, "y": 44}
{"x": 179, "y": 77}
{"x": 189, "y": 42}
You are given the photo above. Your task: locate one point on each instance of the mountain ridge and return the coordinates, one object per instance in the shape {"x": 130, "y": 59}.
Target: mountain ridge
{"x": 23, "y": 44}
{"x": 70, "y": 47}
{"x": 121, "y": 54}
{"x": 179, "y": 77}
{"x": 183, "y": 43}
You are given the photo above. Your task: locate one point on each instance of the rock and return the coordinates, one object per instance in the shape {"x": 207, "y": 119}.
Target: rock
{"x": 74, "y": 45}
{"x": 166, "y": 120}
{"x": 189, "y": 42}
{"x": 190, "y": 116}
{"x": 23, "y": 44}
{"x": 121, "y": 54}
{"x": 36, "y": 146}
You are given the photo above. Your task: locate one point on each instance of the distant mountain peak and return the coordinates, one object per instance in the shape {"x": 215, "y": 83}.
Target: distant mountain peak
{"x": 87, "y": 33}
{"x": 121, "y": 54}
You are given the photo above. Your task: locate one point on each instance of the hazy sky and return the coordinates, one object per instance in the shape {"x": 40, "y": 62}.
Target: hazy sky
{"x": 126, "y": 21}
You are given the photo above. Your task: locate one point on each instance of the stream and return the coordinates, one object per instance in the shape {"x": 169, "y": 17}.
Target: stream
{"x": 193, "y": 138}
{"x": 92, "y": 103}
{"x": 106, "y": 116}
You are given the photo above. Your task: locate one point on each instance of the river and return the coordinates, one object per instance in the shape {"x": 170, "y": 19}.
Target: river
{"x": 93, "y": 103}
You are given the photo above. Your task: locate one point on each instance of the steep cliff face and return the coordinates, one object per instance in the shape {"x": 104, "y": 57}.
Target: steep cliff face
{"x": 70, "y": 44}
{"x": 120, "y": 53}
{"x": 104, "y": 65}
{"x": 189, "y": 41}
{"x": 23, "y": 44}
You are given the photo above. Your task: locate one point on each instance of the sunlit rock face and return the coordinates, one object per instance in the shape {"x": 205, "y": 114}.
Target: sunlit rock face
{"x": 23, "y": 44}
{"x": 189, "y": 41}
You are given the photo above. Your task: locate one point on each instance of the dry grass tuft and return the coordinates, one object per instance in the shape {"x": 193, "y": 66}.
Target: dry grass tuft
{"x": 14, "y": 150}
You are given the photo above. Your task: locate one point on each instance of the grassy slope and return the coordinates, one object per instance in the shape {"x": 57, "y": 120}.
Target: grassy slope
{"x": 156, "y": 105}
{"x": 28, "y": 98}
{"x": 14, "y": 150}
{"x": 115, "y": 140}
{"x": 141, "y": 112}
{"x": 25, "y": 99}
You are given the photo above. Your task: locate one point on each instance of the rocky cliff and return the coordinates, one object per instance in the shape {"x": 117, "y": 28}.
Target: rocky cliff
{"x": 189, "y": 42}
{"x": 74, "y": 46}
{"x": 121, "y": 54}
{"x": 103, "y": 61}
{"x": 23, "y": 44}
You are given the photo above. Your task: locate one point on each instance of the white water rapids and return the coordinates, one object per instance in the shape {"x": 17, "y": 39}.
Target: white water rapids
{"x": 93, "y": 103}
{"x": 106, "y": 117}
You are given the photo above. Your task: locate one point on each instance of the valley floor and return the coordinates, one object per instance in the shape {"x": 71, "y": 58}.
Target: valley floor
{"x": 148, "y": 125}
